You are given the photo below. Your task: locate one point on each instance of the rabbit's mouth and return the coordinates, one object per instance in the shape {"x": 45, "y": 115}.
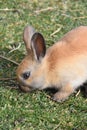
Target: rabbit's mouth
{"x": 25, "y": 88}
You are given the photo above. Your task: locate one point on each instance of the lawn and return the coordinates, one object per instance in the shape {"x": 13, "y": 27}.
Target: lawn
{"x": 36, "y": 111}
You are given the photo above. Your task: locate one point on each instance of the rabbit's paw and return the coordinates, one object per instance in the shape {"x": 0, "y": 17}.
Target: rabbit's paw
{"x": 60, "y": 97}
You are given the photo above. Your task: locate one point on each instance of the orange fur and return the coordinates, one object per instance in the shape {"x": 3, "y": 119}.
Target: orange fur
{"x": 67, "y": 48}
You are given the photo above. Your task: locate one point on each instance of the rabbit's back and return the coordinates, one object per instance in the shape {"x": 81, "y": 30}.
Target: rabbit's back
{"x": 72, "y": 45}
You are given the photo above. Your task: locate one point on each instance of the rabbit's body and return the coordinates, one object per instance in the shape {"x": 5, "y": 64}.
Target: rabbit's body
{"x": 64, "y": 66}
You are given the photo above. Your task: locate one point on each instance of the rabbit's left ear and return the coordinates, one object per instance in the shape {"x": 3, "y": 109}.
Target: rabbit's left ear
{"x": 27, "y": 35}
{"x": 38, "y": 46}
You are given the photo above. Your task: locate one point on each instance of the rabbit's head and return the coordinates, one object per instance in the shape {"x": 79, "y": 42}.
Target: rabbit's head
{"x": 29, "y": 70}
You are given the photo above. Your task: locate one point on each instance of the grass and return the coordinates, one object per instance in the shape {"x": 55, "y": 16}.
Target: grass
{"x": 35, "y": 111}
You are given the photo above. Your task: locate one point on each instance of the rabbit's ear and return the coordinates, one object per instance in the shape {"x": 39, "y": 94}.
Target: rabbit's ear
{"x": 38, "y": 46}
{"x": 28, "y": 33}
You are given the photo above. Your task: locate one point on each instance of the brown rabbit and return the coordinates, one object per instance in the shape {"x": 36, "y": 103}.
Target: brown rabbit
{"x": 63, "y": 65}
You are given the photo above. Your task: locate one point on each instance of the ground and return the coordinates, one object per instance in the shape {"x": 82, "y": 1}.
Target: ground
{"x": 36, "y": 111}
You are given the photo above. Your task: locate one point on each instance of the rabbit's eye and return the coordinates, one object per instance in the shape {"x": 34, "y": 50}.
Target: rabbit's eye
{"x": 26, "y": 75}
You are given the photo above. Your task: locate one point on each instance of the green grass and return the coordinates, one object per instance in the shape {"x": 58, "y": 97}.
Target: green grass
{"x": 35, "y": 111}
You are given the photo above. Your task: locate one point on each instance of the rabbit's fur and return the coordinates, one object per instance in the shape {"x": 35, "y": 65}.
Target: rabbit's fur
{"x": 63, "y": 65}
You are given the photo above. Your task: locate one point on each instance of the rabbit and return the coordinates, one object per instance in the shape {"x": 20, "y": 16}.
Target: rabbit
{"x": 62, "y": 66}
